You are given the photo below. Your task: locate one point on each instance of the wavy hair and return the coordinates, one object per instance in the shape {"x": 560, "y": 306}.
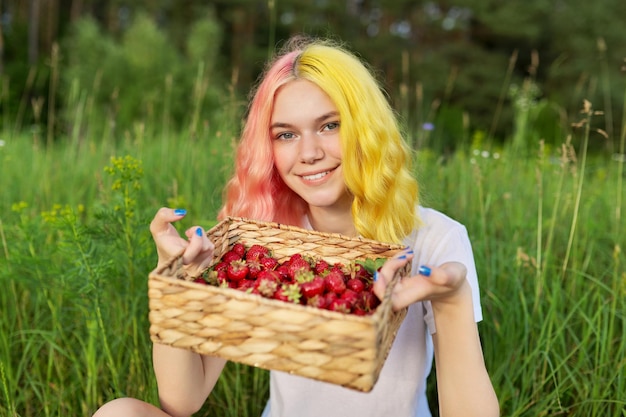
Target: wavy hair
{"x": 376, "y": 160}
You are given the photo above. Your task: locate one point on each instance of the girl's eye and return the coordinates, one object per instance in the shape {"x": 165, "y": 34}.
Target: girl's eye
{"x": 331, "y": 126}
{"x": 285, "y": 136}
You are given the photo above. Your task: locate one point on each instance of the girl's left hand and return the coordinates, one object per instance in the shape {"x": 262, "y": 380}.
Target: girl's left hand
{"x": 442, "y": 283}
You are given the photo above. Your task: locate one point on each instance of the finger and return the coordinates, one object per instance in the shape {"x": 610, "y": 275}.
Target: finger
{"x": 385, "y": 274}
{"x": 163, "y": 218}
{"x": 431, "y": 283}
{"x": 199, "y": 244}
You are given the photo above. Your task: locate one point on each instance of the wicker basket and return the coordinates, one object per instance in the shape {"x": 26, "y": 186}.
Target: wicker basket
{"x": 342, "y": 349}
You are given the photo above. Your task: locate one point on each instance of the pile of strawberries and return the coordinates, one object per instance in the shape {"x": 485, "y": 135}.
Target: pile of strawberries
{"x": 346, "y": 288}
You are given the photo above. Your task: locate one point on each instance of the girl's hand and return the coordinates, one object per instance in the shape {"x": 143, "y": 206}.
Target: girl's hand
{"x": 442, "y": 284}
{"x": 197, "y": 250}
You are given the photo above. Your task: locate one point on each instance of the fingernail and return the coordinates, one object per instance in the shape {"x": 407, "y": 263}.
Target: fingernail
{"x": 199, "y": 231}
{"x": 424, "y": 270}
{"x": 180, "y": 212}
{"x": 375, "y": 276}
{"x": 402, "y": 257}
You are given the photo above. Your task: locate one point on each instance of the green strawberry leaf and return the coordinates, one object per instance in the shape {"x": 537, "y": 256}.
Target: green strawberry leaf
{"x": 372, "y": 265}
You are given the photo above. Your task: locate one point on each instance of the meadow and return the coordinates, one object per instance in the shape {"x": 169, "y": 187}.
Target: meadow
{"x": 546, "y": 223}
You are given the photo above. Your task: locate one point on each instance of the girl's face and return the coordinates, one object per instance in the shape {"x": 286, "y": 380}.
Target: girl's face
{"x": 307, "y": 151}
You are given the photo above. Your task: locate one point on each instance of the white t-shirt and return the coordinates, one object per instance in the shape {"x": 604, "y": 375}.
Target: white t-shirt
{"x": 401, "y": 387}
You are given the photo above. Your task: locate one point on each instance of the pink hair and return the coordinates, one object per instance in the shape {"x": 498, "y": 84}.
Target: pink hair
{"x": 256, "y": 191}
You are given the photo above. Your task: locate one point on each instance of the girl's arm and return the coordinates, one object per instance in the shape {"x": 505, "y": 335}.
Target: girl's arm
{"x": 463, "y": 384}
{"x": 185, "y": 378}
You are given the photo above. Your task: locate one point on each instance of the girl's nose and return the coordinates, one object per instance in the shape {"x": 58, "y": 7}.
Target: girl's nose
{"x": 310, "y": 149}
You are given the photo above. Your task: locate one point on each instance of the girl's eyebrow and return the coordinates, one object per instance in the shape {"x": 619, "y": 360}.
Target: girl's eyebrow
{"x": 319, "y": 119}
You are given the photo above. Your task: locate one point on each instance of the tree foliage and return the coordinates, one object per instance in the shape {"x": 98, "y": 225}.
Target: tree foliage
{"x": 461, "y": 55}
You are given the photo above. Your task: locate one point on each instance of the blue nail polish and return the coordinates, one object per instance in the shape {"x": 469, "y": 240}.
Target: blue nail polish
{"x": 424, "y": 270}
{"x": 402, "y": 257}
{"x": 375, "y": 276}
{"x": 180, "y": 212}
{"x": 199, "y": 231}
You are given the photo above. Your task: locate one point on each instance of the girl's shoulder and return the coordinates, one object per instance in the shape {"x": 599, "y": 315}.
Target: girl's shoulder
{"x": 436, "y": 229}
{"x": 435, "y": 221}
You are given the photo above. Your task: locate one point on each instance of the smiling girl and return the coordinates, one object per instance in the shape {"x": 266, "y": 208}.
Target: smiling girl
{"x": 322, "y": 149}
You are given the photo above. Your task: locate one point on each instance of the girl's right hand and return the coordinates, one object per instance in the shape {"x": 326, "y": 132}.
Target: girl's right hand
{"x": 197, "y": 250}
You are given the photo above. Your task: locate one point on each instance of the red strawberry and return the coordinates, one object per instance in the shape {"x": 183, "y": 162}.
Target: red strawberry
{"x": 268, "y": 263}
{"x": 297, "y": 264}
{"x": 267, "y": 283}
{"x": 220, "y": 266}
{"x": 239, "y": 249}
{"x": 350, "y": 296}
{"x": 237, "y": 270}
{"x": 369, "y": 301}
{"x": 355, "y": 284}
{"x": 340, "y": 305}
{"x": 312, "y": 288}
{"x": 303, "y": 275}
{"x": 254, "y": 267}
{"x": 283, "y": 272}
{"x": 256, "y": 252}
{"x": 317, "y": 301}
{"x": 246, "y": 285}
{"x": 289, "y": 293}
{"x": 230, "y": 256}
{"x": 199, "y": 280}
{"x": 222, "y": 278}
{"x": 335, "y": 282}
{"x": 321, "y": 267}
{"x": 359, "y": 311}
{"x": 329, "y": 298}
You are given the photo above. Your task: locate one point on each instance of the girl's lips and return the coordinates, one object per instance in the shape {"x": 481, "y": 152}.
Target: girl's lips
{"x": 316, "y": 176}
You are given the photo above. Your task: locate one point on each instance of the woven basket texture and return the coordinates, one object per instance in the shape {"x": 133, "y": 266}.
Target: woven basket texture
{"x": 342, "y": 349}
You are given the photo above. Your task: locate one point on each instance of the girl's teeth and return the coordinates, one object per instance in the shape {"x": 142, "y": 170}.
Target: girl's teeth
{"x": 316, "y": 176}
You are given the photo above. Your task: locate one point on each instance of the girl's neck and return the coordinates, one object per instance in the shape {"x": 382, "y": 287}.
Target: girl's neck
{"x": 332, "y": 221}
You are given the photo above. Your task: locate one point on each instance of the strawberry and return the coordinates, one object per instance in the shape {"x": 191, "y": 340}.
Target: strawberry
{"x": 317, "y": 301}
{"x": 254, "y": 267}
{"x": 359, "y": 311}
{"x": 350, "y": 296}
{"x": 312, "y": 288}
{"x": 297, "y": 264}
{"x": 368, "y": 301}
{"x": 335, "y": 282}
{"x": 220, "y": 266}
{"x": 239, "y": 249}
{"x": 329, "y": 298}
{"x": 340, "y": 305}
{"x": 267, "y": 283}
{"x": 289, "y": 293}
{"x": 237, "y": 270}
{"x": 246, "y": 285}
{"x": 355, "y": 284}
{"x": 303, "y": 275}
{"x": 283, "y": 272}
{"x": 321, "y": 267}
{"x": 256, "y": 252}
{"x": 269, "y": 263}
{"x": 230, "y": 256}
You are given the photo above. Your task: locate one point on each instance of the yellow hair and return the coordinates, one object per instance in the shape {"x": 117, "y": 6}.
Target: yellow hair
{"x": 376, "y": 159}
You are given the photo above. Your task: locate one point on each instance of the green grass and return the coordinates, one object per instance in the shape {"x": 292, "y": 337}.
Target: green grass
{"x": 75, "y": 253}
